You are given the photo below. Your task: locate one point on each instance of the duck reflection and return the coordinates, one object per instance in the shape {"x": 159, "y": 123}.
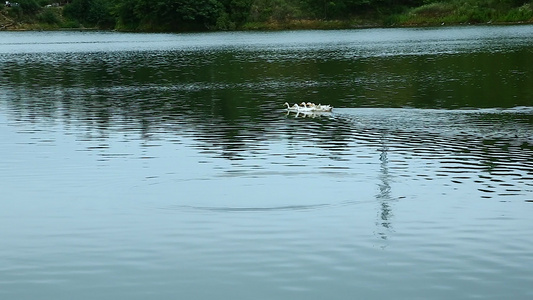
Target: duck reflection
{"x": 305, "y": 114}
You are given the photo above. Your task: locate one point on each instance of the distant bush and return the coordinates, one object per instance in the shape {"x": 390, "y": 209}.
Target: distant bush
{"x": 522, "y": 13}
{"x": 436, "y": 9}
{"x": 49, "y": 16}
{"x": 15, "y": 12}
{"x": 29, "y": 6}
{"x": 224, "y": 22}
{"x": 70, "y": 24}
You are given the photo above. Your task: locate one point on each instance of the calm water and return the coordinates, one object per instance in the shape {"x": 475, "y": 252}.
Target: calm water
{"x": 162, "y": 166}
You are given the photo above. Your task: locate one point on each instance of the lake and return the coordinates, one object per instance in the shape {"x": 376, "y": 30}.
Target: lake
{"x": 164, "y": 166}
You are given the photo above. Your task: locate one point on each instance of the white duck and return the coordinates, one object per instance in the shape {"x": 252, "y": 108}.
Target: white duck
{"x": 321, "y": 107}
{"x": 308, "y": 107}
{"x": 295, "y": 107}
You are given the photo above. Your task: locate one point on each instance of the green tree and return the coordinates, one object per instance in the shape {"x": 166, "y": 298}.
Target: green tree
{"x": 30, "y": 7}
{"x": 174, "y": 15}
{"x": 90, "y": 12}
{"x": 126, "y": 16}
{"x": 237, "y": 10}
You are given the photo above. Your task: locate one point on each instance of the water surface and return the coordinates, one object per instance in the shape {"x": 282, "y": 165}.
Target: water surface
{"x": 140, "y": 166}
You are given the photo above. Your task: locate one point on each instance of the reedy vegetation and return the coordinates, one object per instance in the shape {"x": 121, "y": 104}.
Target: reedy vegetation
{"x": 193, "y": 15}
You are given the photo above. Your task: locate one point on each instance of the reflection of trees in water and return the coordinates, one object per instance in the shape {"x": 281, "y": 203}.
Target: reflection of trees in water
{"x": 384, "y": 187}
{"x": 232, "y": 124}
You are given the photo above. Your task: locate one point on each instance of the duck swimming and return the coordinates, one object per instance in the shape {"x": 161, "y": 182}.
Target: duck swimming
{"x": 308, "y": 107}
{"x": 295, "y": 107}
{"x": 321, "y": 107}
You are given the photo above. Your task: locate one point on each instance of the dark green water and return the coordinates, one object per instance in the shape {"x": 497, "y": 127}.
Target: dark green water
{"x": 142, "y": 166}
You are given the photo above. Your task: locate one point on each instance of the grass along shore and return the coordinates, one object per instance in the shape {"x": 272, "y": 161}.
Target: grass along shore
{"x": 463, "y": 12}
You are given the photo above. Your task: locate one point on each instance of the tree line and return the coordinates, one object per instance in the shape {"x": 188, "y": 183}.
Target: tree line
{"x": 184, "y": 15}
{"x": 192, "y": 15}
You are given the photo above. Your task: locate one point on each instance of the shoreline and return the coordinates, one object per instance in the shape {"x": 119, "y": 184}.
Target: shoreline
{"x": 272, "y": 27}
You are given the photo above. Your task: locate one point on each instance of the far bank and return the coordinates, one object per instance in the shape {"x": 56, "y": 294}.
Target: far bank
{"x": 230, "y": 15}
